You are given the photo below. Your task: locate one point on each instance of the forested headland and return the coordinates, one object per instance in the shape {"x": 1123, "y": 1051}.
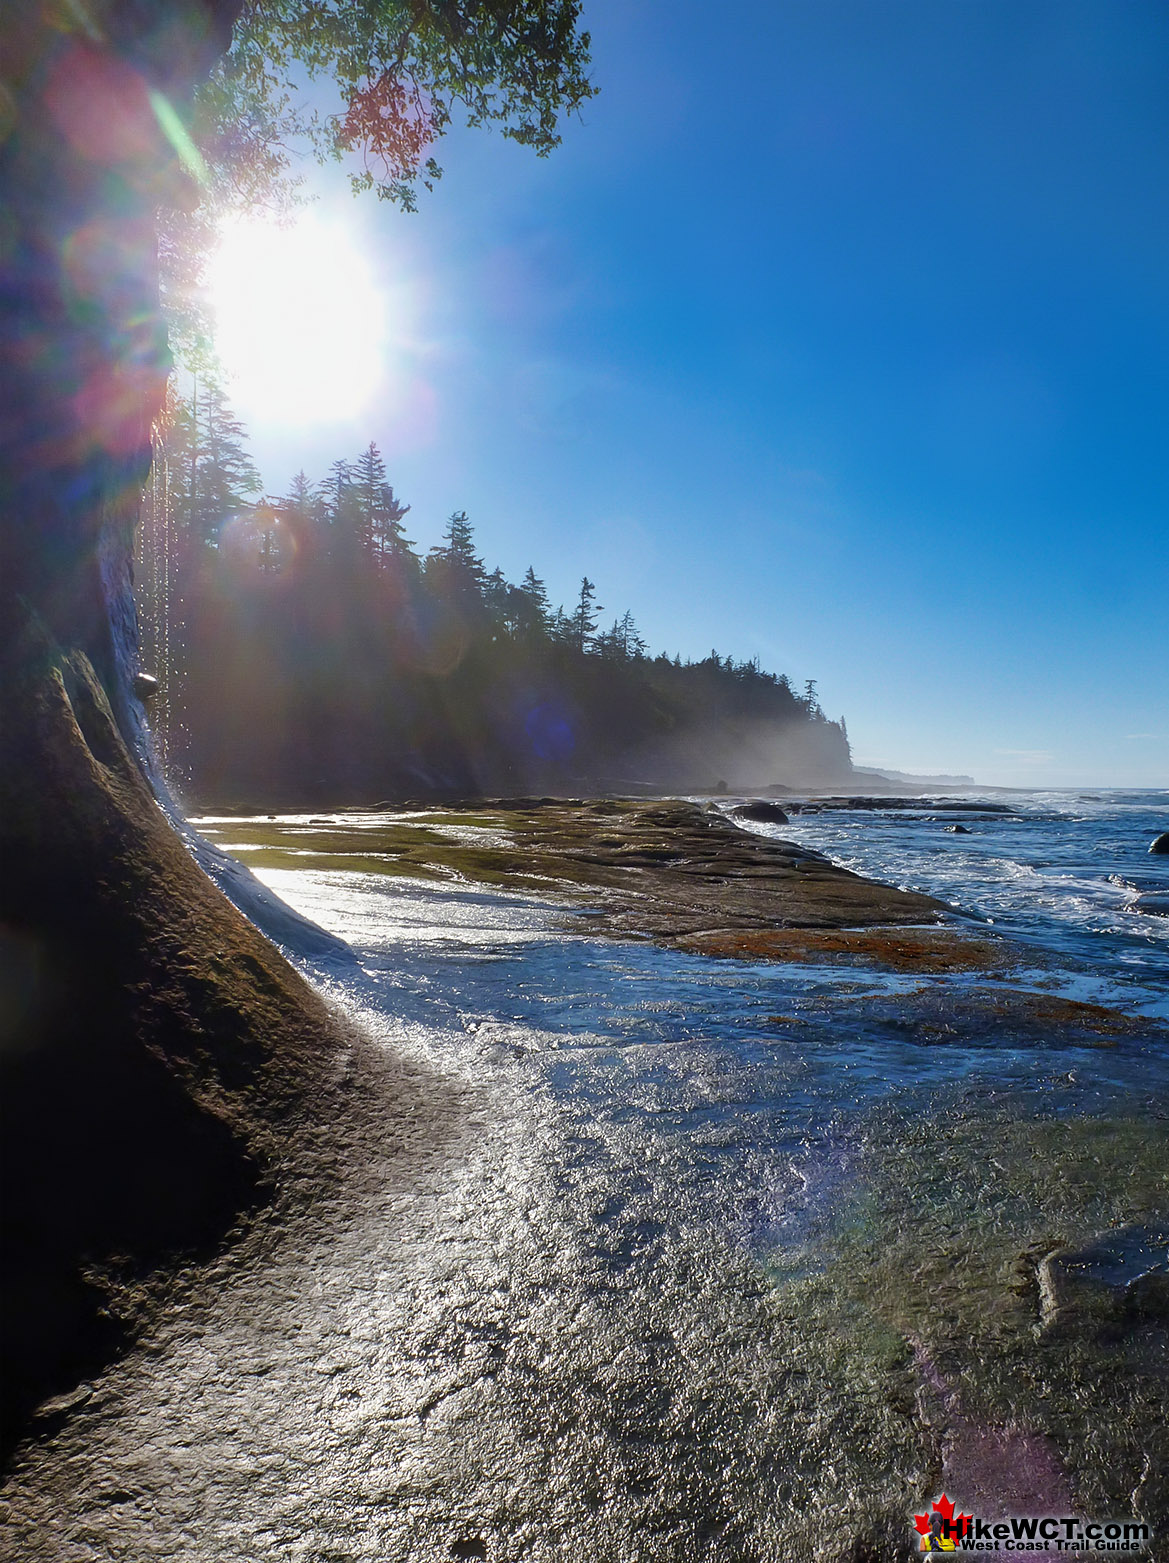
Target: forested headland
{"x": 308, "y": 653}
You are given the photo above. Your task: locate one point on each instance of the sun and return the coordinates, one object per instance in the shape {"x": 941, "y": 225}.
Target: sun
{"x": 299, "y": 317}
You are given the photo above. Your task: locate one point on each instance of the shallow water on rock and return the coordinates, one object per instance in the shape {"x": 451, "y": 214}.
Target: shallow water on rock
{"x": 671, "y": 1258}
{"x": 714, "y": 1129}
{"x": 732, "y": 1076}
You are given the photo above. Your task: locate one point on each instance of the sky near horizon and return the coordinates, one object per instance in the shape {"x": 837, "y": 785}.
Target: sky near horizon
{"x": 835, "y": 333}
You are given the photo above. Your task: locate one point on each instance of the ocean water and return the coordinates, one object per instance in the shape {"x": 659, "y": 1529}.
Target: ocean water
{"x": 1061, "y": 872}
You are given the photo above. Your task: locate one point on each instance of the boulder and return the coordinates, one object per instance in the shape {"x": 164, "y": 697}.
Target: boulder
{"x": 1119, "y": 1278}
{"x": 1155, "y": 902}
{"x": 959, "y": 830}
{"x": 762, "y": 812}
{"x": 1160, "y": 843}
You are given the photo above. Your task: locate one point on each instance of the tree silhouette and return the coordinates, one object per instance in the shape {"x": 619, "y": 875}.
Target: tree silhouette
{"x": 457, "y": 550}
{"x": 381, "y": 514}
{"x": 303, "y": 512}
{"x": 624, "y": 641}
{"x": 337, "y": 652}
{"x": 583, "y": 623}
{"x": 345, "y": 519}
{"x": 455, "y": 574}
{"x": 213, "y": 476}
{"x": 533, "y": 614}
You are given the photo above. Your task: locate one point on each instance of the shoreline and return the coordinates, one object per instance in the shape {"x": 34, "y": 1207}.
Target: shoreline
{"x": 683, "y": 875}
{"x": 482, "y": 1312}
{"x": 471, "y": 1294}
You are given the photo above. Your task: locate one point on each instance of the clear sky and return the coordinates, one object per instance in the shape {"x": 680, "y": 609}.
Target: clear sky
{"x": 836, "y": 333}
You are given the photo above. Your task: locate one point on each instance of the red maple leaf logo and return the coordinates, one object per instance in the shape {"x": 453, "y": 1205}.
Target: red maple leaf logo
{"x": 944, "y": 1507}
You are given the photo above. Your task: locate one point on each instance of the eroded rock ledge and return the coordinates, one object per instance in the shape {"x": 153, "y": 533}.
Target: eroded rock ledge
{"x": 157, "y": 1052}
{"x": 665, "y": 868}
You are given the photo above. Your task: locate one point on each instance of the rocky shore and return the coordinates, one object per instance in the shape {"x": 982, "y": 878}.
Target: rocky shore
{"x": 453, "y": 1323}
{"x": 685, "y": 876}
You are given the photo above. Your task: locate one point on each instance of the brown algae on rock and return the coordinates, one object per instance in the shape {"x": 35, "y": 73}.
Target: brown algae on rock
{"x": 933, "y": 949}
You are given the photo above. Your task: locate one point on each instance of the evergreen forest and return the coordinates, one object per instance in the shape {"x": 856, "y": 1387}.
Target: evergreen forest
{"x": 308, "y": 655}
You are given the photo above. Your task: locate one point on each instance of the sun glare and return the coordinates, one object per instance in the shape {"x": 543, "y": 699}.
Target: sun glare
{"x": 299, "y": 319}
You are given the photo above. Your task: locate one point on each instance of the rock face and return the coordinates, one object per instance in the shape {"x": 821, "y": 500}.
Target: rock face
{"x": 1160, "y": 844}
{"x": 84, "y": 167}
{"x": 155, "y": 1047}
{"x": 1119, "y": 1279}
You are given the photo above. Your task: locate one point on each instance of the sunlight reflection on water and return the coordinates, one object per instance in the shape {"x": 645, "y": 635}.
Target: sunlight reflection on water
{"x": 645, "y": 1265}
{"x": 737, "y": 1092}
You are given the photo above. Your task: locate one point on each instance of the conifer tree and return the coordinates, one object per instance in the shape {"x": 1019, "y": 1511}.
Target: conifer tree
{"x": 227, "y": 474}
{"x": 626, "y": 641}
{"x": 343, "y": 513}
{"x": 457, "y": 550}
{"x": 381, "y": 514}
{"x": 302, "y": 510}
{"x": 507, "y": 607}
{"x": 270, "y": 535}
{"x": 584, "y": 618}
{"x": 301, "y": 498}
{"x": 214, "y": 477}
{"x": 533, "y": 614}
{"x": 454, "y": 571}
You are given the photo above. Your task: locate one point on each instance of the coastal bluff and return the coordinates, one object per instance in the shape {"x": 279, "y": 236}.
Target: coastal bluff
{"x": 158, "y": 1052}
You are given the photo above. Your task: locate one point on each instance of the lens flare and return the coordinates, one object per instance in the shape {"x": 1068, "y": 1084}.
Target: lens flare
{"x": 300, "y": 322}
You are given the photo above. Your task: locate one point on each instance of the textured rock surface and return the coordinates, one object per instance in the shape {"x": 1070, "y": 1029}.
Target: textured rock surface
{"x": 157, "y": 1048}
{"x": 662, "y": 868}
{"x": 464, "y": 1341}
{"x": 550, "y": 1288}
{"x": 1119, "y": 1279}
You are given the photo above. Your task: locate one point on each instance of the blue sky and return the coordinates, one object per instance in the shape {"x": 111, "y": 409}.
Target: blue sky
{"x": 836, "y": 334}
